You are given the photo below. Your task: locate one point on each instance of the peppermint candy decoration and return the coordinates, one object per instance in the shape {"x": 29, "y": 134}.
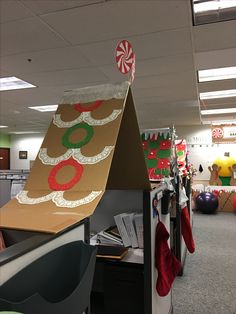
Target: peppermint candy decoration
{"x": 124, "y": 56}
{"x": 217, "y": 133}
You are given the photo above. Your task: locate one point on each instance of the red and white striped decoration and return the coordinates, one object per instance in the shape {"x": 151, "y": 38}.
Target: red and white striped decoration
{"x": 132, "y": 70}
{"x": 124, "y": 56}
{"x": 217, "y": 133}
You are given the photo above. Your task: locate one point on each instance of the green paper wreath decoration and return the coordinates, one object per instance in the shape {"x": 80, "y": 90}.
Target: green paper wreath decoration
{"x": 66, "y": 137}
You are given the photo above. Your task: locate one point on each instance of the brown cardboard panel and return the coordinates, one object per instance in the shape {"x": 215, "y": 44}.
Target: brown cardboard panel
{"x": 94, "y": 176}
{"x": 45, "y": 217}
{"x": 128, "y": 168}
{"x": 226, "y": 201}
{"x": 124, "y": 168}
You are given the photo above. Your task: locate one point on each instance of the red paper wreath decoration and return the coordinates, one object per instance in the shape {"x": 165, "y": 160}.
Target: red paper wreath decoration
{"x": 87, "y": 108}
{"x": 166, "y": 144}
{"x": 180, "y": 147}
{"x": 54, "y": 185}
{"x": 145, "y": 145}
{"x": 152, "y": 175}
{"x": 163, "y": 163}
{"x": 152, "y": 154}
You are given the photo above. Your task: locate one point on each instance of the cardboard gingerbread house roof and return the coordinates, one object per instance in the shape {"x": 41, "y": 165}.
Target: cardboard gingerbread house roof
{"x": 92, "y": 144}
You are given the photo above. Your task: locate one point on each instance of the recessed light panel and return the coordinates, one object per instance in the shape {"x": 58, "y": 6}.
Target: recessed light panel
{"x": 213, "y": 5}
{"x": 219, "y": 122}
{"x": 218, "y": 94}
{"x": 44, "y": 108}
{"x": 24, "y": 132}
{"x": 218, "y": 111}
{"x": 12, "y": 82}
{"x": 3, "y": 126}
{"x": 217, "y": 74}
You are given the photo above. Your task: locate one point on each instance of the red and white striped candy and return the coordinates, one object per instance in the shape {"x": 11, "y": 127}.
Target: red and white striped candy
{"x": 124, "y": 56}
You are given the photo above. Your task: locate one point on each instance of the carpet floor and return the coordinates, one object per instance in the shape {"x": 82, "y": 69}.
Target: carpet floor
{"x": 208, "y": 285}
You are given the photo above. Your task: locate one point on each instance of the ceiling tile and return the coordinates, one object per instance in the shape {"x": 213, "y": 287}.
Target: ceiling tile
{"x": 217, "y": 85}
{"x": 45, "y": 60}
{"x": 215, "y": 59}
{"x": 215, "y": 36}
{"x": 66, "y": 77}
{"x": 13, "y": 10}
{"x": 170, "y": 64}
{"x": 116, "y": 19}
{"x": 42, "y": 6}
{"x": 27, "y": 35}
{"x": 146, "y": 46}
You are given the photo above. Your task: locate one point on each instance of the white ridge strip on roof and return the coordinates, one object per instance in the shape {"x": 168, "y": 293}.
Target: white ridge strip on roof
{"x": 98, "y": 92}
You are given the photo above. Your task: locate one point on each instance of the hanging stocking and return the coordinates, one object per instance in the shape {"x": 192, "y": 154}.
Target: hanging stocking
{"x": 186, "y": 230}
{"x": 166, "y": 263}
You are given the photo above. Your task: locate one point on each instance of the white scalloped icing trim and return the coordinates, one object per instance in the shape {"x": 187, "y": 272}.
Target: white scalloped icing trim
{"x": 91, "y": 121}
{"x": 46, "y": 160}
{"x": 86, "y": 117}
{"x": 23, "y": 198}
{"x": 59, "y": 200}
{"x": 76, "y": 155}
{"x": 92, "y": 93}
{"x": 57, "y": 197}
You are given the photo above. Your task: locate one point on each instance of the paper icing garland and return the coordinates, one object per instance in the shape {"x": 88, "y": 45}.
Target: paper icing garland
{"x": 92, "y": 93}
{"x": 66, "y": 137}
{"x": 57, "y": 198}
{"x": 76, "y": 155}
{"x": 87, "y": 108}
{"x": 85, "y": 117}
{"x": 54, "y": 185}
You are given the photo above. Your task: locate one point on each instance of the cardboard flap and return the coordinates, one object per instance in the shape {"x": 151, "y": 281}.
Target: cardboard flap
{"x": 46, "y": 216}
{"x": 128, "y": 169}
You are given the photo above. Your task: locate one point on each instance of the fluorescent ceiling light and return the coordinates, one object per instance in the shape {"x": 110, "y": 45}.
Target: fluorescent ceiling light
{"x": 12, "y": 82}
{"x": 25, "y": 132}
{"x": 219, "y": 122}
{"x": 217, "y": 74}
{"x": 3, "y": 126}
{"x": 218, "y": 94}
{"x": 218, "y": 111}
{"x": 213, "y": 5}
{"x": 44, "y": 108}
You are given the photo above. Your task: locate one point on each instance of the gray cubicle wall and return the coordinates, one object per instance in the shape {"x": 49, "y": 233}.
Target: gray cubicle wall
{"x": 5, "y": 191}
{"x": 115, "y": 202}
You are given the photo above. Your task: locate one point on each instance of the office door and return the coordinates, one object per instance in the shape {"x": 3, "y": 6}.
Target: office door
{"x": 4, "y": 158}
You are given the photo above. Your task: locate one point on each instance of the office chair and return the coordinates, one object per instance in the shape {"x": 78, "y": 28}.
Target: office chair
{"x": 58, "y": 282}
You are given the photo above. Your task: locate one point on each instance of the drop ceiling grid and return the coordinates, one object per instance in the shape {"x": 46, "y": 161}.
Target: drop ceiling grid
{"x": 112, "y": 20}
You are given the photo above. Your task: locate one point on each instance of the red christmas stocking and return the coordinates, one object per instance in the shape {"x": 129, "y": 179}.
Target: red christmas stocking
{"x": 186, "y": 230}
{"x": 166, "y": 263}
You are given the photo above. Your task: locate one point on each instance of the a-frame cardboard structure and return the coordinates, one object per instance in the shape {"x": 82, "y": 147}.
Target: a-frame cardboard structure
{"x": 92, "y": 144}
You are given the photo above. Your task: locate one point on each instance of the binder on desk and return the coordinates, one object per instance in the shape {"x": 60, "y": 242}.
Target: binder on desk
{"x": 138, "y": 222}
{"x": 111, "y": 252}
{"x": 122, "y": 229}
{"x": 129, "y": 225}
